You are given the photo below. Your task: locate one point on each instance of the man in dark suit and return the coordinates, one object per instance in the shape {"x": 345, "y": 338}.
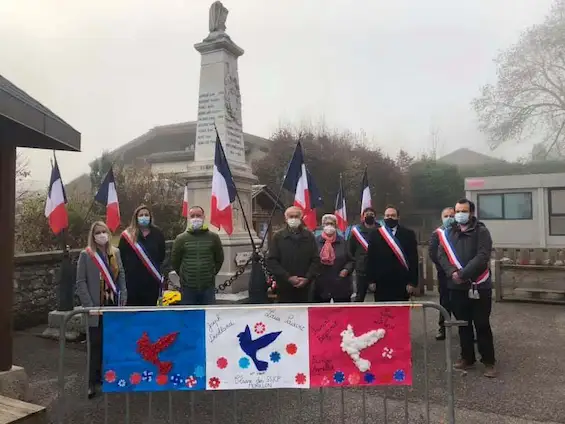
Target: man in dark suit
{"x": 392, "y": 259}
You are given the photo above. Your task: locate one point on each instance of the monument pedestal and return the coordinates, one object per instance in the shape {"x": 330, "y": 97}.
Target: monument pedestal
{"x": 14, "y": 384}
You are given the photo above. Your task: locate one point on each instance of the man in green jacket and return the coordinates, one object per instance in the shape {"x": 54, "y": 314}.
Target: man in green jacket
{"x": 197, "y": 257}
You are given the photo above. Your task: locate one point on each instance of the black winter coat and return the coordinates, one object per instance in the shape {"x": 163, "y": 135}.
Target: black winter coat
{"x": 328, "y": 283}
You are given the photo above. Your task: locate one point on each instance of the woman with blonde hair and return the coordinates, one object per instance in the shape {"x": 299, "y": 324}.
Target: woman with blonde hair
{"x": 142, "y": 246}
{"x": 100, "y": 282}
{"x": 336, "y": 264}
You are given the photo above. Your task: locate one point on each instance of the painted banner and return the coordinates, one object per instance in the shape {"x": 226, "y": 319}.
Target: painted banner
{"x": 256, "y": 348}
{"x": 364, "y": 346}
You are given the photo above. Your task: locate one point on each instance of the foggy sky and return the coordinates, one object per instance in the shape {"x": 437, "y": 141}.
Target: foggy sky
{"x": 114, "y": 69}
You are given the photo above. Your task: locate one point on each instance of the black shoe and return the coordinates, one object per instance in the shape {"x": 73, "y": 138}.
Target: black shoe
{"x": 440, "y": 334}
{"x": 91, "y": 392}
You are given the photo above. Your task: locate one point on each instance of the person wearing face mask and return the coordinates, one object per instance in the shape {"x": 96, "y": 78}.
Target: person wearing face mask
{"x": 142, "y": 247}
{"x": 197, "y": 257}
{"x": 447, "y": 219}
{"x": 358, "y": 245}
{"x": 293, "y": 259}
{"x": 336, "y": 265}
{"x": 100, "y": 281}
{"x": 464, "y": 256}
{"x": 392, "y": 259}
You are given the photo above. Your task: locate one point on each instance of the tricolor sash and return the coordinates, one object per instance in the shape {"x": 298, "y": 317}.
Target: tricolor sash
{"x": 143, "y": 257}
{"x": 452, "y": 257}
{"x": 394, "y": 244}
{"x": 104, "y": 270}
{"x": 359, "y": 237}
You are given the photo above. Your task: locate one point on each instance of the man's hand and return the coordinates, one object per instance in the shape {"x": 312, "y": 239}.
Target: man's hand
{"x": 294, "y": 280}
{"x": 411, "y": 289}
{"x": 343, "y": 273}
{"x": 301, "y": 282}
{"x": 373, "y": 287}
{"x": 456, "y": 278}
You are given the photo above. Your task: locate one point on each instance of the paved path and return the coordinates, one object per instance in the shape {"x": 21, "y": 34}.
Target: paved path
{"x": 530, "y": 342}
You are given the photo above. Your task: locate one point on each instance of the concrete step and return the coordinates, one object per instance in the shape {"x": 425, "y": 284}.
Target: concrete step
{"x": 14, "y": 411}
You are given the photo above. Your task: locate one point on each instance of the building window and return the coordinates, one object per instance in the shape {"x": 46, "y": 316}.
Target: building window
{"x": 556, "y": 202}
{"x": 505, "y": 206}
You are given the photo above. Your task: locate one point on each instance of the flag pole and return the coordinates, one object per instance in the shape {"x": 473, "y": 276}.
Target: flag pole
{"x": 253, "y": 245}
{"x": 281, "y": 188}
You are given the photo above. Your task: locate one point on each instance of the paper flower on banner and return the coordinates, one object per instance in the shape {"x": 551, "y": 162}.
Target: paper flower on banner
{"x": 222, "y": 363}
{"x": 244, "y": 363}
{"x": 176, "y": 379}
{"x": 199, "y": 371}
{"x": 162, "y": 379}
{"x": 325, "y": 381}
{"x": 122, "y": 383}
{"x": 214, "y": 382}
{"x": 135, "y": 378}
{"x": 110, "y": 376}
{"x": 300, "y": 378}
{"x": 275, "y": 356}
{"x": 190, "y": 381}
{"x": 150, "y": 351}
{"x": 387, "y": 353}
{"x": 353, "y": 378}
{"x": 260, "y": 328}
{"x": 291, "y": 349}
{"x": 339, "y": 377}
{"x": 399, "y": 375}
{"x": 369, "y": 378}
{"x": 147, "y": 376}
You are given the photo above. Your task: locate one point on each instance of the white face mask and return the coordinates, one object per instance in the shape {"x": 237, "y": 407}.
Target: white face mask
{"x": 196, "y": 223}
{"x": 329, "y": 230}
{"x": 462, "y": 217}
{"x": 293, "y": 222}
{"x": 101, "y": 239}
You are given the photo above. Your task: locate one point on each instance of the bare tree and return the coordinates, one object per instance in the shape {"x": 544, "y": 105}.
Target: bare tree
{"x": 528, "y": 99}
{"x": 22, "y": 172}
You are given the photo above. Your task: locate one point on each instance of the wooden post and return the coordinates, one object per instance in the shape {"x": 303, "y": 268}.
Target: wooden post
{"x": 7, "y": 228}
{"x": 498, "y": 280}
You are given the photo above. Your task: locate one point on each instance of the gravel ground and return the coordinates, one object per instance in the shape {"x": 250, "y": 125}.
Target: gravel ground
{"x": 529, "y": 338}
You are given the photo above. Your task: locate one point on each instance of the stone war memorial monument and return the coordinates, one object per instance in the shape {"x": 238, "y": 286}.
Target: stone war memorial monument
{"x": 219, "y": 106}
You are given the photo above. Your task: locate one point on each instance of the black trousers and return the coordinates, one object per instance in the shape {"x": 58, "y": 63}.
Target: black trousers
{"x": 443, "y": 299}
{"x": 143, "y": 295}
{"x": 475, "y": 312}
{"x": 95, "y": 369}
{"x": 362, "y": 287}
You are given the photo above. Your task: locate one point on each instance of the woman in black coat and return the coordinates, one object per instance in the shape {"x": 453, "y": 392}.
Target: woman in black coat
{"x": 337, "y": 264}
{"x": 142, "y": 280}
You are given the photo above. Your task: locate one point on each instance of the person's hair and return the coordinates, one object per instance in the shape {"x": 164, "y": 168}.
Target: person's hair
{"x": 464, "y": 200}
{"x": 393, "y": 207}
{"x": 446, "y": 208}
{"x": 369, "y": 209}
{"x": 92, "y": 244}
{"x": 329, "y": 217}
{"x": 196, "y": 207}
{"x": 291, "y": 209}
{"x": 133, "y": 228}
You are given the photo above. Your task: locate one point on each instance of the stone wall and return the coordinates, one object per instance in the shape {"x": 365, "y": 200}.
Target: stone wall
{"x": 36, "y": 285}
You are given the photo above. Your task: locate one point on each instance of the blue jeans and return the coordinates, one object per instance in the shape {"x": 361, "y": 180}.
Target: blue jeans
{"x": 198, "y": 297}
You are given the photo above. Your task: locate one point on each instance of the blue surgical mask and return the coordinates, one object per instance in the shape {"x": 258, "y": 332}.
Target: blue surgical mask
{"x": 448, "y": 222}
{"x": 143, "y": 221}
{"x": 462, "y": 217}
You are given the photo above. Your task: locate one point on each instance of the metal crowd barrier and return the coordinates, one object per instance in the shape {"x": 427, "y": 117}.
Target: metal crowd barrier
{"x": 387, "y": 405}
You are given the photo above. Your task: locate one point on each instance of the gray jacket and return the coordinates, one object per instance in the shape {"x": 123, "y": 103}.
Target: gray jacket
{"x": 88, "y": 282}
{"x": 473, "y": 249}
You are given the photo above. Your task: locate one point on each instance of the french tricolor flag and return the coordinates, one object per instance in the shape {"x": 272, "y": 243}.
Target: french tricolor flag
{"x": 185, "y": 202}
{"x": 108, "y": 196}
{"x": 56, "y": 204}
{"x": 223, "y": 191}
{"x": 366, "y": 201}
{"x": 300, "y": 182}
{"x": 340, "y": 208}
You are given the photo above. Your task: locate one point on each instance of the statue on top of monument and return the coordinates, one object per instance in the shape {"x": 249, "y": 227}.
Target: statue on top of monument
{"x": 218, "y": 17}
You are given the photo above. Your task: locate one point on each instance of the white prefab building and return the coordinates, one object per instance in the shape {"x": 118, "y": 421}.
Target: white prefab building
{"x": 521, "y": 210}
